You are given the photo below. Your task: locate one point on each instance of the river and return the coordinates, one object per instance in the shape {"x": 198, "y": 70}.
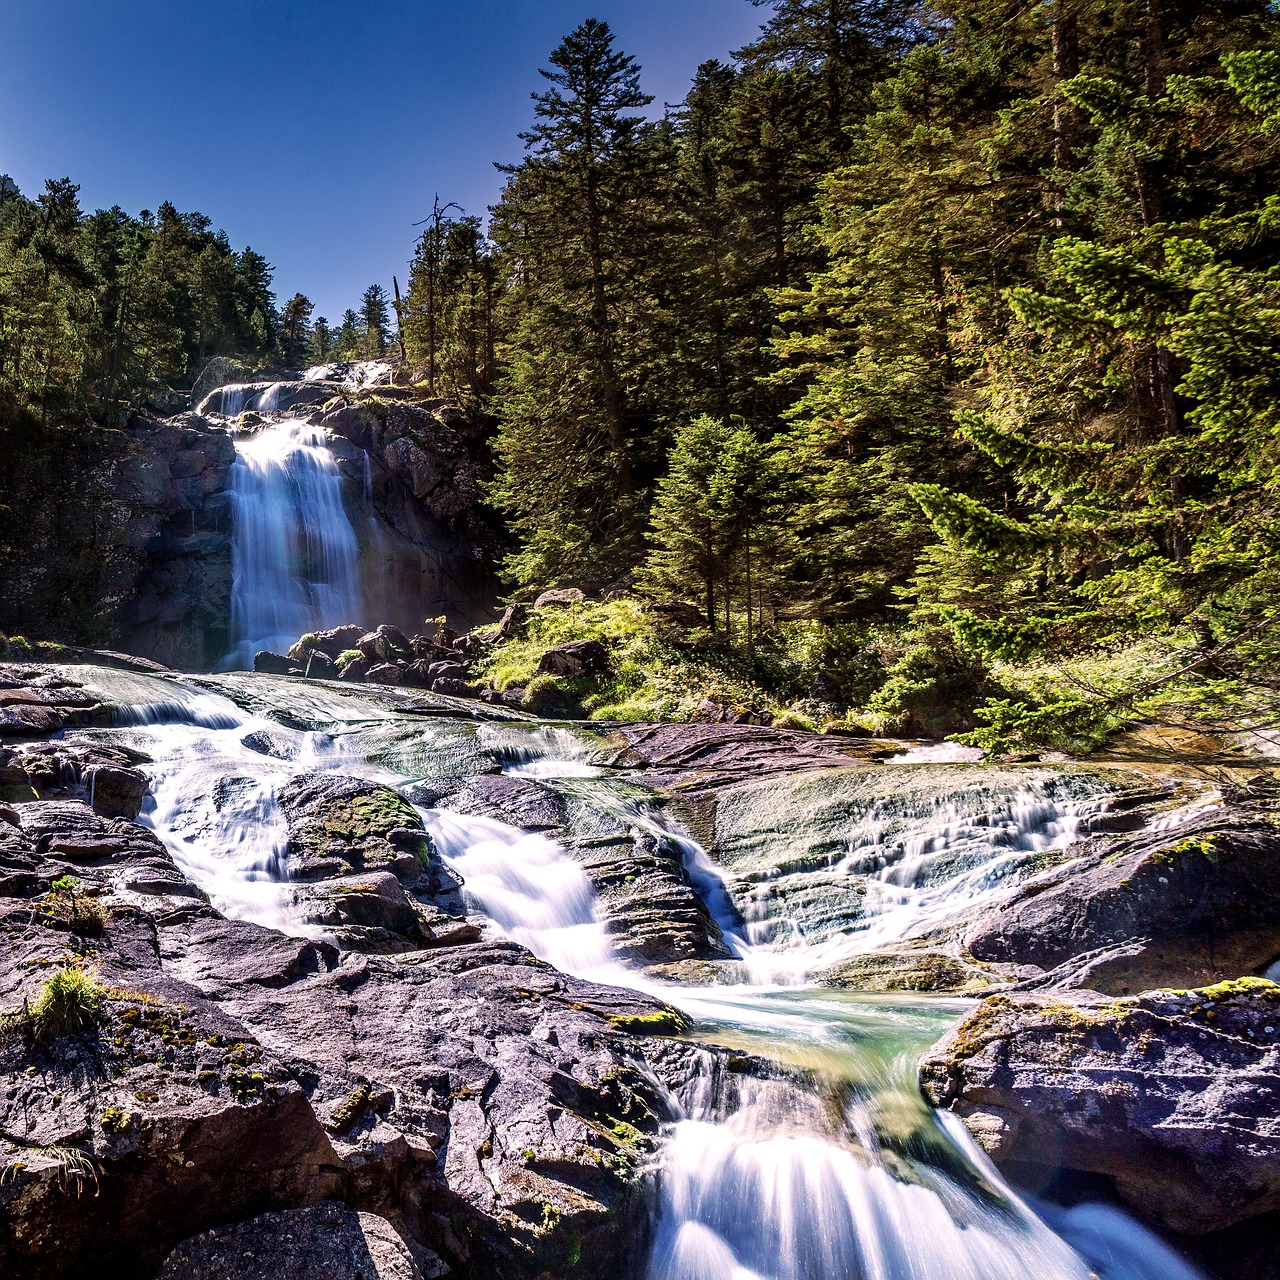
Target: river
{"x": 831, "y": 1166}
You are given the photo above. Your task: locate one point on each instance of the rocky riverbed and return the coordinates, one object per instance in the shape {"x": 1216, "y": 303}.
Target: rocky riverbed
{"x": 361, "y": 1068}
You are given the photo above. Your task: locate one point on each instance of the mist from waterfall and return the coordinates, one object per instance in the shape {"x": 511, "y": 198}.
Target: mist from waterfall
{"x": 295, "y": 554}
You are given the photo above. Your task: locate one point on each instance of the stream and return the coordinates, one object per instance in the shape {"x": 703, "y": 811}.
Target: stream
{"x": 836, "y": 1170}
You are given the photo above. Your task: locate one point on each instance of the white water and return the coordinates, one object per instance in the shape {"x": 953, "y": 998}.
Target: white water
{"x": 767, "y": 1181}
{"x": 295, "y": 555}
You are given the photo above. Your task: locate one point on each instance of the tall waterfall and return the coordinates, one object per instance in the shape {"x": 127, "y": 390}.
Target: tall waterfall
{"x": 295, "y": 555}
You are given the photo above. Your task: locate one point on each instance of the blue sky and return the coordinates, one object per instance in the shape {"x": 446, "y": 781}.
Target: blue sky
{"x": 315, "y": 131}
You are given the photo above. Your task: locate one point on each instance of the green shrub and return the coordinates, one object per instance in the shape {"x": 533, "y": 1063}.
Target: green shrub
{"x": 346, "y": 657}
{"x": 68, "y": 901}
{"x": 67, "y": 1004}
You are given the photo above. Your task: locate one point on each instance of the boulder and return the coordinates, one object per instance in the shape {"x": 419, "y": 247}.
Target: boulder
{"x": 1174, "y": 1095}
{"x": 1173, "y": 908}
{"x": 904, "y": 970}
{"x": 355, "y": 671}
{"x": 722, "y": 711}
{"x": 325, "y": 1240}
{"x": 339, "y": 825}
{"x": 559, "y": 598}
{"x": 330, "y": 643}
{"x": 450, "y": 670}
{"x": 512, "y": 620}
{"x": 416, "y": 675}
{"x": 319, "y": 666}
{"x": 275, "y": 664}
{"x": 578, "y": 658}
{"x": 385, "y": 673}
{"x": 453, "y": 688}
{"x": 386, "y": 644}
{"x": 369, "y": 912}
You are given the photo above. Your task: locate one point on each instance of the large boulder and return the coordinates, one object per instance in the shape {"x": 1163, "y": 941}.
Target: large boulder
{"x": 578, "y": 658}
{"x": 559, "y": 598}
{"x": 330, "y": 643}
{"x": 275, "y": 664}
{"x": 326, "y": 1240}
{"x": 339, "y": 825}
{"x": 1174, "y": 1095}
{"x": 386, "y": 644}
{"x": 1166, "y": 908}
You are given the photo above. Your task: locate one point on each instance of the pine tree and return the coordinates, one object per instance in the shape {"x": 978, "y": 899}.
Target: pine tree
{"x": 375, "y": 320}
{"x": 295, "y": 328}
{"x": 579, "y": 316}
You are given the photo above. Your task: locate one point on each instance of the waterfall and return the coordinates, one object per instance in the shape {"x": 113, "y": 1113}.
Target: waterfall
{"x": 295, "y": 556}
{"x": 840, "y": 1172}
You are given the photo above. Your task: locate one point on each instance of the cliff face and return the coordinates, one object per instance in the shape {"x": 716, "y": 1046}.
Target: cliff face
{"x": 123, "y": 538}
{"x": 120, "y": 538}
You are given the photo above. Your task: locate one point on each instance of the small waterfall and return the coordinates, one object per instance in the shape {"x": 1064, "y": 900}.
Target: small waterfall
{"x": 295, "y": 554}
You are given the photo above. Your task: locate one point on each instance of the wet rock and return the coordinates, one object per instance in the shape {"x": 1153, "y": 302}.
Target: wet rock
{"x": 579, "y": 658}
{"x": 1181, "y": 908}
{"x": 355, "y": 671}
{"x": 385, "y": 673}
{"x": 559, "y": 598}
{"x": 904, "y": 970}
{"x": 1174, "y": 1095}
{"x": 319, "y": 666}
{"x": 645, "y": 897}
{"x": 451, "y": 687}
{"x": 325, "y": 1240}
{"x": 104, "y": 776}
{"x": 338, "y": 825}
{"x": 275, "y": 664}
{"x": 369, "y": 912}
{"x": 712, "y": 754}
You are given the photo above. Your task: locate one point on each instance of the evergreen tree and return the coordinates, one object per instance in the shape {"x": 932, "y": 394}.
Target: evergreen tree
{"x": 579, "y": 316}
{"x": 295, "y": 328}
{"x": 322, "y": 341}
{"x": 375, "y": 310}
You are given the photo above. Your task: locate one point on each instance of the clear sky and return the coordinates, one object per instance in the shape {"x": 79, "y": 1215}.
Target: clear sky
{"x": 316, "y": 131}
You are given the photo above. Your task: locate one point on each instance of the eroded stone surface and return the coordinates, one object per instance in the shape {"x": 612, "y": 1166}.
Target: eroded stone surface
{"x": 1173, "y": 1095}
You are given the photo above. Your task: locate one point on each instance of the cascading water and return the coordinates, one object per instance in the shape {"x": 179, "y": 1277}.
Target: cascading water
{"x": 837, "y": 1173}
{"x": 295, "y": 554}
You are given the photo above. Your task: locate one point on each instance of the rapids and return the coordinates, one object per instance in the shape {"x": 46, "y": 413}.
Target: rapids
{"x": 835, "y": 1170}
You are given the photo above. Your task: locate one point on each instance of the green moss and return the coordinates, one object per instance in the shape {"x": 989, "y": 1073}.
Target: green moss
{"x": 349, "y": 1110}
{"x": 114, "y": 1120}
{"x": 661, "y": 1022}
{"x": 347, "y": 657}
{"x": 361, "y": 817}
{"x": 1262, "y": 988}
